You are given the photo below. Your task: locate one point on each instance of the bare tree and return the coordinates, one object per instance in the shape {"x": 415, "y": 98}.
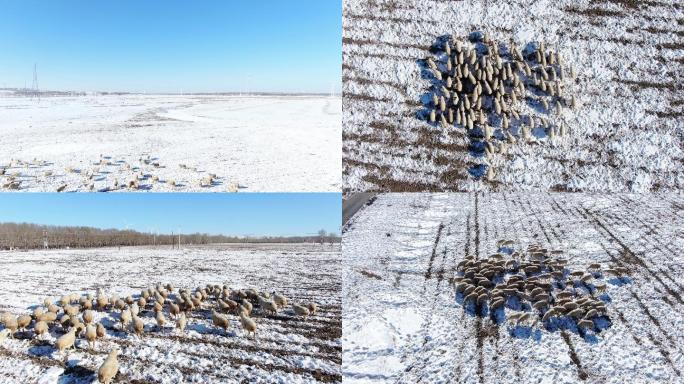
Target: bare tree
{"x": 32, "y": 236}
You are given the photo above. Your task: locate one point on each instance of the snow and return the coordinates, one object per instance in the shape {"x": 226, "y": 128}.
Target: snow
{"x": 626, "y": 134}
{"x": 287, "y": 348}
{"x": 251, "y": 143}
{"x": 403, "y": 322}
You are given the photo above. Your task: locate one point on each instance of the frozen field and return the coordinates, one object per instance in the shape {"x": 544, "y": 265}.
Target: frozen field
{"x": 404, "y": 321}
{"x": 626, "y": 134}
{"x": 101, "y": 143}
{"x": 286, "y": 349}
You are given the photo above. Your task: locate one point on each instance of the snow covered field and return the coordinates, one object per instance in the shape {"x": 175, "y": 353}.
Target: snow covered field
{"x": 99, "y": 143}
{"x": 287, "y": 348}
{"x": 404, "y": 322}
{"x": 626, "y": 134}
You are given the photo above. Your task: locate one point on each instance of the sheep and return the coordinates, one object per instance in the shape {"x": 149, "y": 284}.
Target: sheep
{"x": 181, "y": 322}
{"x": 594, "y": 266}
{"x": 66, "y": 341}
{"x": 523, "y": 318}
{"x": 223, "y": 306}
{"x": 468, "y": 289}
{"x": 138, "y": 326}
{"x": 40, "y": 328}
{"x": 86, "y": 303}
{"x": 600, "y": 287}
{"x": 591, "y": 313}
{"x": 135, "y": 310}
{"x": 241, "y": 310}
{"x": 219, "y": 320}
{"x": 71, "y": 310}
{"x": 248, "y": 324}
{"x": 174, "y": 309}
{"x": 64, "y": 321}
{"x": 4, "y": 333}
{"x": 91, "y": 335}
{"x": 247, "y": 305}
{"x": 584, "y": 323}
{"x": 38, "y": 312}
{"x": 119, "y": 304}
{"x": 301, "y": 310}
{"x": 102, "y": 302}
{"x": 280, "y": 300}
{"x": 64, "y": 301}
{"x": 471, "y": 296}
{"x": 313, "y": 308}
{"x": 11, "y": 324}
{"x": 88, "y": 316}
{"x": 161, "y": 320}
{"x": 100, "y": 330}
{"x": 109, "y": 368}
{"x": 23, "y": 321}
{"x": 576, "y": 313}
{"x": 125, "y": 318}
{"x": 563, "y": 294}
{"x": 268, "y": 306}
{"x": 549, "y": 314}
{"x": 497, "y": 303}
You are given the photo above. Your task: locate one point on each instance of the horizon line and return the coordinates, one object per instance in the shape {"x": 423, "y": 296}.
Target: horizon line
{"x": 252, "y": 236}
{"x": 27, "y": 92}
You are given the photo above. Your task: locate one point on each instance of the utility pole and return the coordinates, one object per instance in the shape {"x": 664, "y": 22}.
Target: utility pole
{"x": 34, "y": 87}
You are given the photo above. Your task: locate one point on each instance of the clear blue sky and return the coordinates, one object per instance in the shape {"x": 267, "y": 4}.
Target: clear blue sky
{"x": 169, "y": 45}
{"x": 215, "y": 213}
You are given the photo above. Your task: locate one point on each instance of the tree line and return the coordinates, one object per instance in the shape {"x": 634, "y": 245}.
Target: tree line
{"x": 35, "y": 236}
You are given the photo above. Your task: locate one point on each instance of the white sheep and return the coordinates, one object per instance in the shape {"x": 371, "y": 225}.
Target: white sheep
{"x": 66, "y": 341}
{"x": 248, "y": 324}
{"x": 301, "y": 310}
{"x": 91, "y": 335}
{"x": 181, "y": 322}
{"x": 109, "y": 368}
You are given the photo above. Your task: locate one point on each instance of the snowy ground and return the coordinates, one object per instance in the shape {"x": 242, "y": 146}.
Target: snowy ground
{"x": 251, "y": 144}
{"x": 287, "y": 348}
{"x": 402, "y": 321}
{"x": 626, "y": 135}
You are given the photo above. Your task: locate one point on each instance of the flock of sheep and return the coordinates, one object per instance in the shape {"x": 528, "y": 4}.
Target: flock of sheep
{"x": 74, "y": 315}
{"x": 536, "y": 286}
{"x": 139, "y": 175}
{"x": 480, "y": 86}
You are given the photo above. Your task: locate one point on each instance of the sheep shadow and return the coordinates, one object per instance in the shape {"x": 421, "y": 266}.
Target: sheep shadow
{"x": 471, "y": 307}
{"x": 539, "y": 132}
{"x": 40, "y": 349}
{"x": 620, "y": 281}
{"x": 566, "y": 323}
{"x": 478, "y": 171}
{"x": 525, "y": 332}
{"x": 74, "y": 373}
{"x": 206, "y": 330}
{"x": 507, "y": 250}
{"x": 605, "y": 298}
{"x": 563, "y": 323}
{"x": 476, "y": 148}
